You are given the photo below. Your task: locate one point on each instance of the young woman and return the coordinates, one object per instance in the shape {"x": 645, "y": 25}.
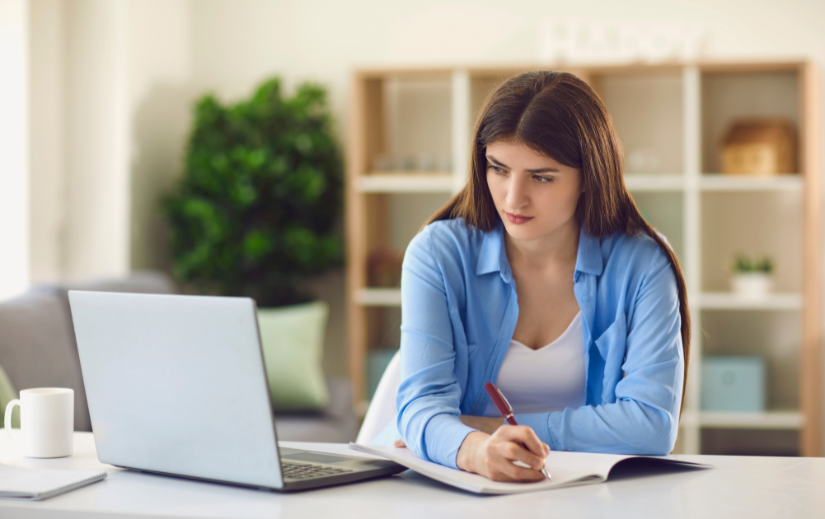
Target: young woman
{"x": 541, "y": 276}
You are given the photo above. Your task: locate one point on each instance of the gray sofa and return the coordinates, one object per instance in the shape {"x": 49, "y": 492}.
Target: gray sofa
{"x": 38, "y": 349}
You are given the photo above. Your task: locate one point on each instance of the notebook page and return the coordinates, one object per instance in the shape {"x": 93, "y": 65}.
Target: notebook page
{"x": 562, "y": 476}
{"x": 584, "y": 462}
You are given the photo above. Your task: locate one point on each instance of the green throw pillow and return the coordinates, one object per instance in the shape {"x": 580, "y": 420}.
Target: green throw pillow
{"x": 293, "y": 343}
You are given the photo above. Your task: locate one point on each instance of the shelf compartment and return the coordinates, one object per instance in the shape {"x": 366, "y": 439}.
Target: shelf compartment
{"x": 756, "y": 223}
{"x": 730, "y": 301}
{"x": 730, "y": 95}
{"x": 406, "y": 182}
{"x": 646, "y": 110}
{"x": 718, "y": 182}
{"x": 378, "y": 297}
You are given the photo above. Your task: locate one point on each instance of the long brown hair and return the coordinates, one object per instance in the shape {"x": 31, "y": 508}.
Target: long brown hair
{"x": 560, "y": 116}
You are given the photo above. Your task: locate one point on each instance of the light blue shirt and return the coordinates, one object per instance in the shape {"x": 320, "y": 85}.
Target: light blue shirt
{"x": 459, "y": 311}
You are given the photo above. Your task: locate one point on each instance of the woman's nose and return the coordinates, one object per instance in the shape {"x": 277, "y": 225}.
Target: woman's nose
{"x": 516, "y": 193}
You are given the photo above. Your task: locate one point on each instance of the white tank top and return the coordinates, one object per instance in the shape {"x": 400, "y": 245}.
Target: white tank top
{"x": 551, "y": 378}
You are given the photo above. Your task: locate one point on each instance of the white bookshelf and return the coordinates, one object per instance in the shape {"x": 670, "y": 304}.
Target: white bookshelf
{"x": 682, "y": 110}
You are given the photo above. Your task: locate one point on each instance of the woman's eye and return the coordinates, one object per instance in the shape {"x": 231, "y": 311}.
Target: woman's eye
{"x": 497, "y": 170}
{"x": 543, "y": 180}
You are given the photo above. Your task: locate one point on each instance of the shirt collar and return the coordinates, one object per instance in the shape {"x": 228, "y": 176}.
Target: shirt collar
{"x": 492, "y": 251}
{"x": 589, "y": 258}
{"x": 492, "y": 256}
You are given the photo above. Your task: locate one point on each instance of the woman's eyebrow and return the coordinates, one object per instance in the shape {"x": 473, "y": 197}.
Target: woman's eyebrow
{"x": 540, "y": 170}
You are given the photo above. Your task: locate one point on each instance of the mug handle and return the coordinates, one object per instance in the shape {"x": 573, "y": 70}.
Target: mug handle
{"x": 7, "y": 421}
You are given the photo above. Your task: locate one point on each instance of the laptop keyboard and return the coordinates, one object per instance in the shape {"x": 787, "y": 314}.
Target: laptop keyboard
{"x": 292, "y": 470}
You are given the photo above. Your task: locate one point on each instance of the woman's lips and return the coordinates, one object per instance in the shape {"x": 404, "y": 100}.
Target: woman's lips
{"x": 517, "y": 219}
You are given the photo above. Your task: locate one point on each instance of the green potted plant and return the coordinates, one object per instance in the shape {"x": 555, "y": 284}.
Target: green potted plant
{"x": 752, "y": 276}
{"x": 254, "y": 215}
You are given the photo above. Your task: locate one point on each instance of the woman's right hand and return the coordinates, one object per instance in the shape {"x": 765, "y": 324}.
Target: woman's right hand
{"x": 492, "y": 455}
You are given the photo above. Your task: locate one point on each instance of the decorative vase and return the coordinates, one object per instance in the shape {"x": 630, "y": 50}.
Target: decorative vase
{"x": 751, "y": 284}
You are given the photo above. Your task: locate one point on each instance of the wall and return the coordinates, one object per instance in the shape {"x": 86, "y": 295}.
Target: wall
{"x": 47, "y": 118}
{"x": 14, "y": 142}
{"x": 151, "y": 59}
{"x": 237, "y": 44}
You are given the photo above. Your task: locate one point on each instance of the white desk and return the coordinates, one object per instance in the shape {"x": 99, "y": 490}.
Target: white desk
{"x": 739, "y": 487}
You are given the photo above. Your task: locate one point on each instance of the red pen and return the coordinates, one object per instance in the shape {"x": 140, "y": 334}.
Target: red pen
{"x": 506, "y": 411}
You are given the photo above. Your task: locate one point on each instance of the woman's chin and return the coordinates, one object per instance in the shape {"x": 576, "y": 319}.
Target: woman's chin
{"x": 520, "y": 232}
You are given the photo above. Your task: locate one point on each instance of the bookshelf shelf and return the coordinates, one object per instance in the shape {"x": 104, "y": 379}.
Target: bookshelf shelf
{"x": 378, "y": 297}
{"x": 406, "y": 182}
{"x": 710, "y": 182}
{"x": 728, "y": 301}
{"x": 658, "y": 182}
{"x": 793, "y": 420}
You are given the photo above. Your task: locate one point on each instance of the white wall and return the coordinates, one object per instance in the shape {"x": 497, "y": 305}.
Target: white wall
{"x": 159, "y": 101}
{"x": 14, "y": 84}
{"x": 109, "y": 112}
{"x": 47, "y": 130}
{"x": 237, "y": 44}
{"x": 131, "y": 70}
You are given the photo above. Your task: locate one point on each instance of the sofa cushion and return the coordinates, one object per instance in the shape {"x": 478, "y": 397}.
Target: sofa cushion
{"x": 36, "y": 349}
{"x": 336, "y": 423}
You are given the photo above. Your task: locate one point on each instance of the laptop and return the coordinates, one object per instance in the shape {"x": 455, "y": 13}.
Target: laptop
{"x": 176, "y": 385}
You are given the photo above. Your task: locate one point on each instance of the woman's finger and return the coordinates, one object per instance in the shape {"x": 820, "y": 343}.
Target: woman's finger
{"x": 399, "y": 444}
{"x": 526, "y": 436}
{"x": 503, "y": 469}
{"x": 512, "y": 451}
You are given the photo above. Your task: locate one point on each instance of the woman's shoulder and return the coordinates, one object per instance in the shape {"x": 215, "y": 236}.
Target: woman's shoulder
{"x": 449, "y": 235}
{"x": 446, "y": 241}
{"x": 638, "y": 251}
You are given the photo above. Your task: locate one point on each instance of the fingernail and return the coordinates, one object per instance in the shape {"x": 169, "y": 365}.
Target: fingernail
{"x": 537, "y": 464}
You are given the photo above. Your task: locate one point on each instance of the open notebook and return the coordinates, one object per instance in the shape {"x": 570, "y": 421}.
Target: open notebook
{"x": 37, "y": 484}
{"x": 566, "y": 469}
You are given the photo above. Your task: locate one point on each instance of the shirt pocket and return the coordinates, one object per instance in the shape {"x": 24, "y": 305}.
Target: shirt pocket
{"x": 611, "y": 346}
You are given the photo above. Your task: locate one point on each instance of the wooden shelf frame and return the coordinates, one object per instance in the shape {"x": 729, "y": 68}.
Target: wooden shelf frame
{"x": 367, "y": 193}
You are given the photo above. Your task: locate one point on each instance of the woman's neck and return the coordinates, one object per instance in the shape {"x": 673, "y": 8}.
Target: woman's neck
{"x": 557, "y": 249}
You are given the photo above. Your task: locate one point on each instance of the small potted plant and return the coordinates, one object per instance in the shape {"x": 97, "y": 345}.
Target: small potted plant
{"x": 752, "y": 276}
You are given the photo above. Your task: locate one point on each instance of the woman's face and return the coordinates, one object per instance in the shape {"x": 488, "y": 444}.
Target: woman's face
{"x": 535, "y": 195}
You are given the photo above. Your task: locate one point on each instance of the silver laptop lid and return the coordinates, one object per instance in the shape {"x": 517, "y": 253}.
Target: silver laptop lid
{"x": 177, "y": 384}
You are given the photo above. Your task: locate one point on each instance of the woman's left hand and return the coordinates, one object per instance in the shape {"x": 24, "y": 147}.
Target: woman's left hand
{"x": 481, "y": 423}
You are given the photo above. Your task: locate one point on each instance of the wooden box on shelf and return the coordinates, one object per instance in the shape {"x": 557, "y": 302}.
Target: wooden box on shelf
{"x": 759, "y": 147}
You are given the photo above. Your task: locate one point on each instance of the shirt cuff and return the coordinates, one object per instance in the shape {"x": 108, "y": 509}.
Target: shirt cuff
{"x": 540, "y": 423}
{"x": 443, "y": 437}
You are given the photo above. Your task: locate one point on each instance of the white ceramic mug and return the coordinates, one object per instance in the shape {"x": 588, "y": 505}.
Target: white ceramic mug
{"x": 46, "y": 421}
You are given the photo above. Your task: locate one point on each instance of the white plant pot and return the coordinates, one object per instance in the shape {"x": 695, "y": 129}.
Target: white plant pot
{"x": 751, "y": 285}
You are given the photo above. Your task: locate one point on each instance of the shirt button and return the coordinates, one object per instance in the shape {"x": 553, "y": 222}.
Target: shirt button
{"x": 585, "y": 299}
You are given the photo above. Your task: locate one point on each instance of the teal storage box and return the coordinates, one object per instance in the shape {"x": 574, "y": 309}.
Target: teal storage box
{"x": 733, "y": 384}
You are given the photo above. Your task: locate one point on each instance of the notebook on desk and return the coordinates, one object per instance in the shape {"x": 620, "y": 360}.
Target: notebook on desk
{"x": 37, "y": 484}
{"x": 566, "y": 469}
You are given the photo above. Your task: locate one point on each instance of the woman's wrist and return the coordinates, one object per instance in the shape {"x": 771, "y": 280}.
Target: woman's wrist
{"x": 466, "y": 452}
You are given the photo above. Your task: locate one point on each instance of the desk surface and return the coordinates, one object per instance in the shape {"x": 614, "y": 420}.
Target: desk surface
{"x": 739, "y": 487}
